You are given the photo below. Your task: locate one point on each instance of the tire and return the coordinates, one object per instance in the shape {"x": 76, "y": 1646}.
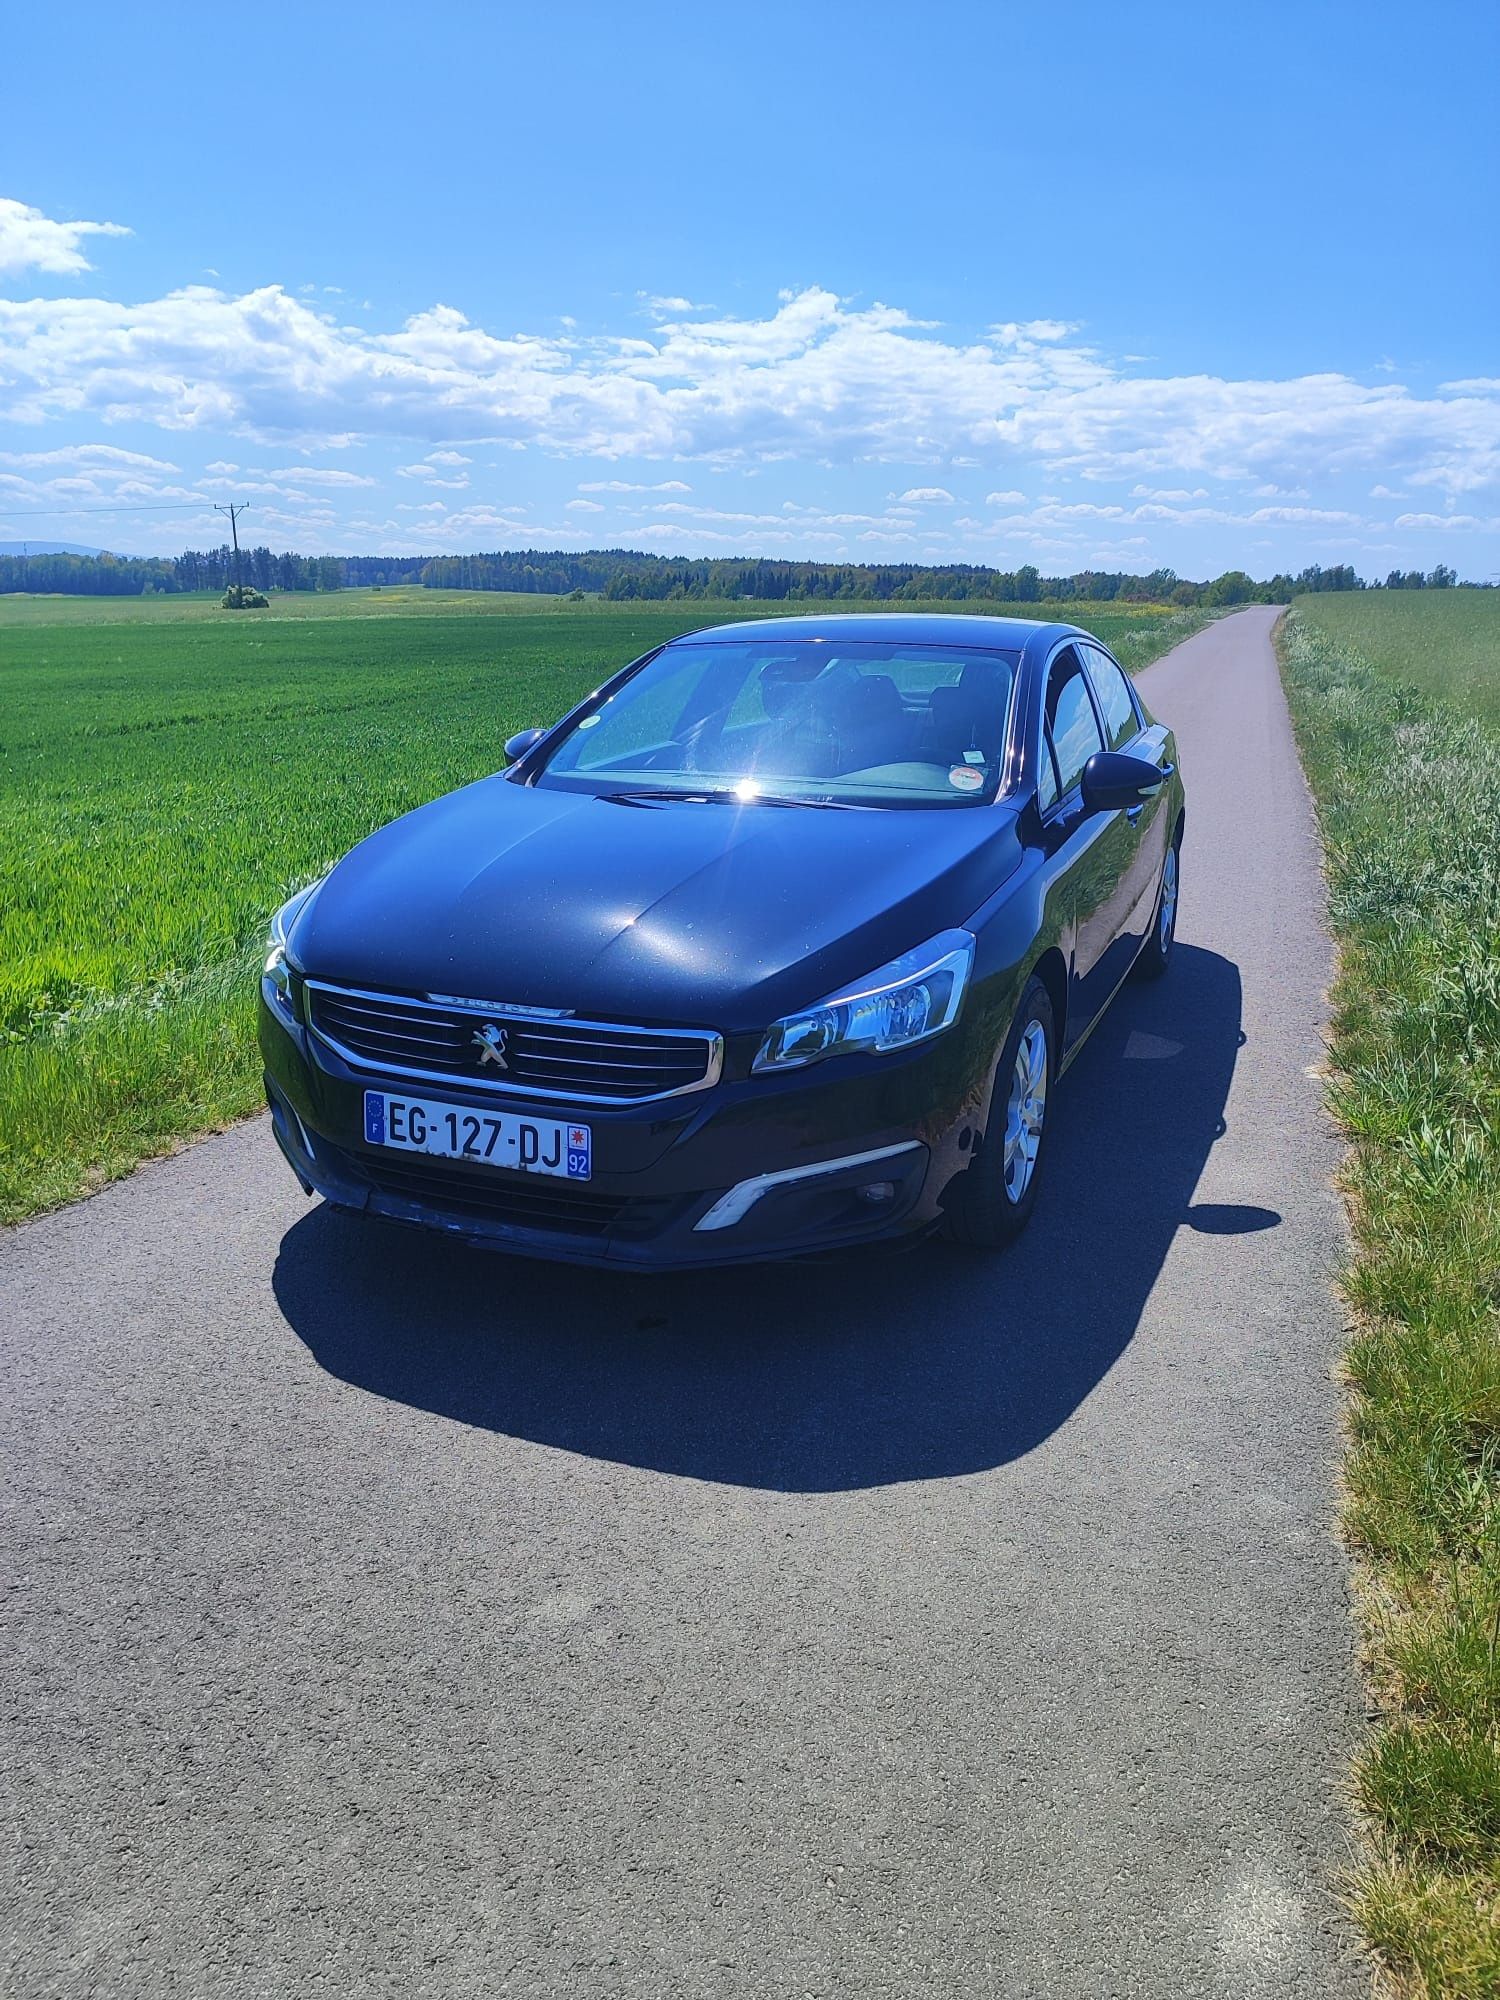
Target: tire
{"x": 988, "y": 1210}
{"x": 1156, "y": 952}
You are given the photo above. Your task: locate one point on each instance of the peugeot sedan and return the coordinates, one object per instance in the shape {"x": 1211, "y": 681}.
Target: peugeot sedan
{"x": 777, "y": 942}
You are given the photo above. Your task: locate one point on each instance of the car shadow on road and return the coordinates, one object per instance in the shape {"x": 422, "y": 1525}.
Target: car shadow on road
{"x": 857, "y": 1371}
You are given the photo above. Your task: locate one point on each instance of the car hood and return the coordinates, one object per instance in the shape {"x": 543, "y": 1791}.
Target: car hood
{"x": 686, "y": 913}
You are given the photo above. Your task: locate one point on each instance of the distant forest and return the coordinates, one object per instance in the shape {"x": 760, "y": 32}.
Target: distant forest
{"x": 626, "y": 573}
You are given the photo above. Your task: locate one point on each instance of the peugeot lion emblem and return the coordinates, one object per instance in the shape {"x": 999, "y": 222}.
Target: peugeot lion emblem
{"x": 490, "y": 1042}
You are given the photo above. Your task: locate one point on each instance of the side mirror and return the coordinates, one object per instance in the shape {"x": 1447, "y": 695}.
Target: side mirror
{"x": 1114, "y": 781}
{"x": 517, "y": 746}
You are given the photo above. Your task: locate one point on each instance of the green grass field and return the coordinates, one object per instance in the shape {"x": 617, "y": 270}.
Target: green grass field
{"x": 394, "y": 601}
{"x": 169, "y": 772}
{"x": 1439, "y": 642}
{"x": 1396, "y": 698}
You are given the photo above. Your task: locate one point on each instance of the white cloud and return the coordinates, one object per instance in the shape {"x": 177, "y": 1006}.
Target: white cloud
{"x": 429, "y": 471}
{"x": 630, "y": 486}
{"x": 1470, "y": 523}
{"x": 665, "y": 306}
{"x": 816, "y": 378}
{"x": 317, "y": 475}
{"x": 812, "y": 381}
{"x": 1329, "y": 516}
{"x": 31, "y": 241}
{"x": 97, "y": 457}
{"x": 1024, "y": 333}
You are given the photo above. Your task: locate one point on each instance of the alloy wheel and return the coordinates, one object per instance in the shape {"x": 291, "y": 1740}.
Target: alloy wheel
{"x": 1025, "y": 1110}
{"x": 1168, "y": 916}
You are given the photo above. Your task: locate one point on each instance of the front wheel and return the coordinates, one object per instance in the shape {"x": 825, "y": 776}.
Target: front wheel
{"x": 994, "y": 1197}
{"x": 1156, "y": 952}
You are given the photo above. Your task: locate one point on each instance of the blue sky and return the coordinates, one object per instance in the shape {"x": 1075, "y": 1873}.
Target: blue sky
{"x": 1082, "y": 285}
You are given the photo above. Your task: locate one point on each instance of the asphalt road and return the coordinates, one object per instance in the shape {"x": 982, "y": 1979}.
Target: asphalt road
{"x": 388, "y": 1618}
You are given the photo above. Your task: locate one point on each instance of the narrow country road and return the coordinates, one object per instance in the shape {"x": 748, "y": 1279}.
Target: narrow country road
{"x": 386, "y": 1618}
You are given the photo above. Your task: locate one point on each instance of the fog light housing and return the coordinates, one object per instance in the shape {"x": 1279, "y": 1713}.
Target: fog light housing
{"x": 878, "y": 1191}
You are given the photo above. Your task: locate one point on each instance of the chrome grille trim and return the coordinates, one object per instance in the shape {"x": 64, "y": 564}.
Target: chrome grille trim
{"x": 621, "y": 1048}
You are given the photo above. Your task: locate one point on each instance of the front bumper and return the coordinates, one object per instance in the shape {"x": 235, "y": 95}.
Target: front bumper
{"x": 755, "y": 1168}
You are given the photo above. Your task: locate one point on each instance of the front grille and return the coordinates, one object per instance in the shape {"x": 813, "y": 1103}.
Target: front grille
{"x": 535, "y": 1203}
{"x": 543, "y": 1056}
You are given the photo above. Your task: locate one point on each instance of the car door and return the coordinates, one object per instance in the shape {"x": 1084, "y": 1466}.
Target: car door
{"x": 1124, "y": 729}
{"x": 1095, "y": 852}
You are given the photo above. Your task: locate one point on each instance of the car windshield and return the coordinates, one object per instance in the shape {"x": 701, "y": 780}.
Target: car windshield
{"x": 830, "y": 722}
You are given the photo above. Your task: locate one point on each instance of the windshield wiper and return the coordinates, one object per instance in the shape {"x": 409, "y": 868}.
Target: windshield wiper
{"x": 723, "y": 796}
{"x": 815, "y": 805}
{"x": 666, "y": 796}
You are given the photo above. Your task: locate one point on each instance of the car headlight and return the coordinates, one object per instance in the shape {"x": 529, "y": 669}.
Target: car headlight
{"x": 276, "y": 980}
{"x": 909, "y": 1000}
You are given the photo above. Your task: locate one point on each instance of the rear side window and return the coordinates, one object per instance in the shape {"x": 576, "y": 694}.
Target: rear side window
{"x": 1072, "y": 725}
{"x": 1113, "y": 690}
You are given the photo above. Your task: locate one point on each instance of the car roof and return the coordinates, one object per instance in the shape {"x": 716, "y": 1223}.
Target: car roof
{"x": 899, "y": 628}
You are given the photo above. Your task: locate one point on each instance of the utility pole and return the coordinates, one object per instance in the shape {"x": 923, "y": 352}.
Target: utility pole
{"x": 234, "y": 514}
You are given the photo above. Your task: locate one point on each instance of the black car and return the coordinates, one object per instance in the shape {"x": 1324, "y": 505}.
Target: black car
{"x": 777, "y": 942}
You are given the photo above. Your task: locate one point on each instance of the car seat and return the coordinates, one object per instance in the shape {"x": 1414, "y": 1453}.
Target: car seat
{"x": 967, "y": 714}
{"x": 871, "y": 723}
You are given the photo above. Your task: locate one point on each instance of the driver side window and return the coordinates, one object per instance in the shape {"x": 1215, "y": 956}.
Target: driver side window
{"x": 1071, "y": 726}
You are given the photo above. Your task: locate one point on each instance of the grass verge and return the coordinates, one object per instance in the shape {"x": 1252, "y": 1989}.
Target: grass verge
{"x": 1408, "y": 794}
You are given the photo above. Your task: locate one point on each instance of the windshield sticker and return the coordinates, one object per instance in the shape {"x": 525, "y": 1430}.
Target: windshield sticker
{"x": 964, "y": 778}
{"x": 974, "y": 757}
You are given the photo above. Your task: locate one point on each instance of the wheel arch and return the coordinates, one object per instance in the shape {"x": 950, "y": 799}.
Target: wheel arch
{"x": 1052, "y": 969}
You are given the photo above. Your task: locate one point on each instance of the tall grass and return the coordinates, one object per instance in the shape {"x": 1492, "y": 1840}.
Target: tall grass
{"x": 169, "y": 773}
{"x": 1408, "y": 793}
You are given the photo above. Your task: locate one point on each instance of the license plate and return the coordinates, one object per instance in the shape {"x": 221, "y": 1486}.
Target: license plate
{"x": 489, "y": 1138}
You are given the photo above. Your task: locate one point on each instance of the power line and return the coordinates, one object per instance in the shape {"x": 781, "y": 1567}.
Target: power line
{"x": 130, "y": 507}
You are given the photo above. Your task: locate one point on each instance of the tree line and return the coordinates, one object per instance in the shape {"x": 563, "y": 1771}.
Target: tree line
{"x": 200, "y": 570}
{"x": 625, "y": 574}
